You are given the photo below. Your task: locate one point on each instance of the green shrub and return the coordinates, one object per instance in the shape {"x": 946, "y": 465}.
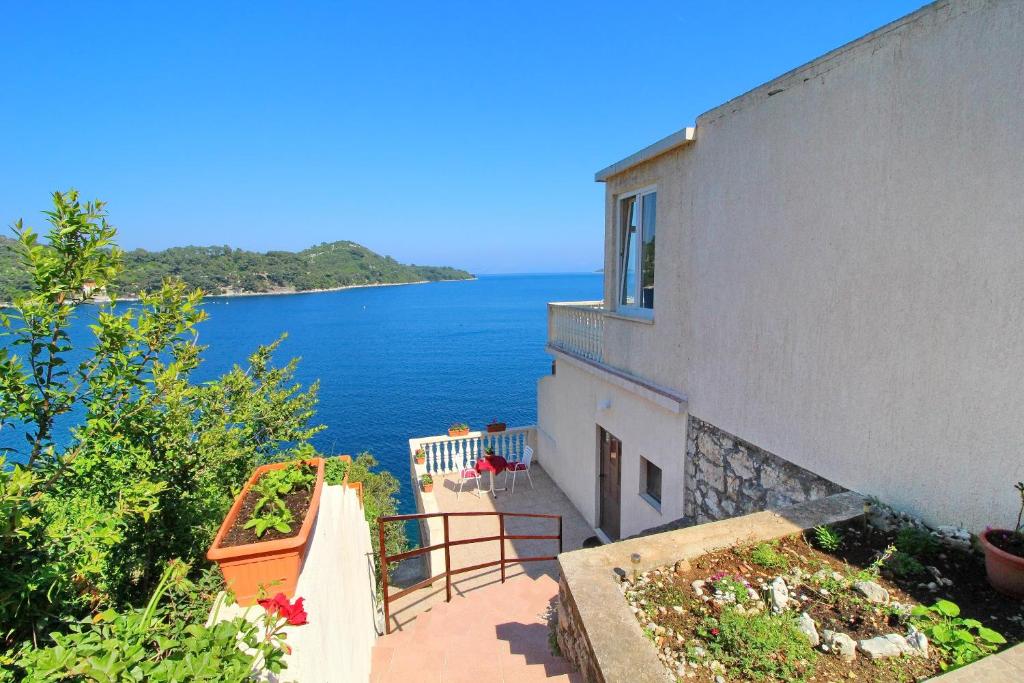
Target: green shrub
{"x": 961, "y": 641}
{"x": 904, "y": 565}
{"x": 827, "y": 538}
{"x": 758, "y": 646}
{"x": 143, "y": 644}
{"x": 153, "y": 459}
{"x": 769, "y": 556}
{"x": 916, "y": 542}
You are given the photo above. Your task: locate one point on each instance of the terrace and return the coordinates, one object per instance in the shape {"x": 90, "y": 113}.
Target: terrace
{"x": 476, "y": 514}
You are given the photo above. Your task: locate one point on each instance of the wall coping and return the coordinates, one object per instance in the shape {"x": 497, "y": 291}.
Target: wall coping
{"x": 614, "y": 638}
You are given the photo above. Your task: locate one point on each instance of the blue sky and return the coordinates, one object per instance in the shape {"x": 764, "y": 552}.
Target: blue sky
{"x": 461, "y": 133}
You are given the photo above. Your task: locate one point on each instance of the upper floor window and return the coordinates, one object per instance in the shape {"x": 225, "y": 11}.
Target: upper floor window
{"x": 637, "y": 220}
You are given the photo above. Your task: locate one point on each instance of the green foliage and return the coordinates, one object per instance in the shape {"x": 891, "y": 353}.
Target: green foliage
{"x": 728, "y": 584}
{"x": 916, "y": 542}
{"x": 153, "y": 460}
{"x": 379, "y": 498}
{"x": 426, "y": 480}
{"x": 961, "y": 641}
{"x": 769, "y": 556}
{"x": 220, "y": 270}
{"x": 144, "y": 644}
{"x": 873, "y": 570}
{"x": 758, "y": 646}
{"x": 827, "y": 538}
{"x": 904, "y": 565}
{"x": 270, "y": 510}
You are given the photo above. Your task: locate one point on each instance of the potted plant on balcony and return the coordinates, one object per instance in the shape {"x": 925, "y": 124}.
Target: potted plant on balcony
{"x": 458, "y": 429}
{"x": 263, "y": 540}
{"x": 495, "y": 426}
{"x": 427, "y": 483}
{"x": 421, "y": 457}
{"x": 1004, "y": 554}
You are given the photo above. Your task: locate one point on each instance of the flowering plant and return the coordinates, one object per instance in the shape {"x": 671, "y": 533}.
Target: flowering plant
{"x": 281, "y": 612}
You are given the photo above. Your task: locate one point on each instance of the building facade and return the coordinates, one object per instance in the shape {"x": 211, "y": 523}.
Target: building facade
{"x": 820, "y": 285}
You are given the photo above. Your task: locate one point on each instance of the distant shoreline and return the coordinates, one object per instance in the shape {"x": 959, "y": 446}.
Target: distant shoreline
{"x": 281, "y": 291}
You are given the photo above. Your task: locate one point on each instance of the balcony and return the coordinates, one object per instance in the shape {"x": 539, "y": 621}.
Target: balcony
{"x": 577, "y": 328}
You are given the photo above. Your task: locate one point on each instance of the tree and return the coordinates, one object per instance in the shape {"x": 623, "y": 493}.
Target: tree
{"x": 90, "y": 523}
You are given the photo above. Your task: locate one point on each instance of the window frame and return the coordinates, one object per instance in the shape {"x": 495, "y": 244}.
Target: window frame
{"x": 635, "y": 310}
{"x": 653, "y": 501}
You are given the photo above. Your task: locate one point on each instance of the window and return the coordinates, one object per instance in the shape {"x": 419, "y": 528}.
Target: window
{"x": 650, "y": 482}
{"x": 637, "y": 227}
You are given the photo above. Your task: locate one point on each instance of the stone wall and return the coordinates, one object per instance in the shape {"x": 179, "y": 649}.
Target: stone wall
{"x": 572, "y": 636}
{"x": 726, "y": 476}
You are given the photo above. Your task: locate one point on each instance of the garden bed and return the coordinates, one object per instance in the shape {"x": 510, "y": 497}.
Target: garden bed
{"x": 274, "y": 506}
{"x": 840, "y": 604}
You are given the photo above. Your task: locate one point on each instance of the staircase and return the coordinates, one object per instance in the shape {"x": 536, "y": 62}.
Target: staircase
{"x": 498, "y": 633}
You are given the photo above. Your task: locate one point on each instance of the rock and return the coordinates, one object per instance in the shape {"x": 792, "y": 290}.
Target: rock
{"x": 933, "y": 587}
{"x": 918, "y": 642}
{"x": 677, "y": 608}
{"x": 806, "y": 625}
{"x": 779, "y": 595}
{"x": 698, "y": 587}
{"x": 872, "y": 591}
{"x": 840, "y": 644}
{"x": 719, "y": 679}
{"x": 881, "y": 647}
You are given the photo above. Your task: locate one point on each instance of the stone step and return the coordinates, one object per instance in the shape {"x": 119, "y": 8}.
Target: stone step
{"x": 496, "y": 633}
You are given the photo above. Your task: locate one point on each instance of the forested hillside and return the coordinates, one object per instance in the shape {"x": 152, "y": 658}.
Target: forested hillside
{"x": 223, "y": 270}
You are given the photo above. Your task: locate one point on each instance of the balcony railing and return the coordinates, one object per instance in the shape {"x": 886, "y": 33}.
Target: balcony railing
{"x": 453, "y": 453}
{"x": 577, "y": 327}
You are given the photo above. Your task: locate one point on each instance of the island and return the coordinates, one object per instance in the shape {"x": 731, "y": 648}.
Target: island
{"x": 224, "y": 271}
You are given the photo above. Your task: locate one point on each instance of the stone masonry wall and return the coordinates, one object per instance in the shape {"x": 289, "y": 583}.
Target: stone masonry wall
{"x": 726, "y": 476}
{"x": 571, "y": 635}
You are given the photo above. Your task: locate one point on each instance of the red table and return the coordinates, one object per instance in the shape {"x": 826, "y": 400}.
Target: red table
{"x": 495, "y": 464}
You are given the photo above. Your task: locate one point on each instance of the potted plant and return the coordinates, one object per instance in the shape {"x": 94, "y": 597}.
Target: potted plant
{"x": 1004, "y": 554}
{"x": 458, "y": 429}
{"x": 495, "y": 426}
{"x": 427, "y": 483}
{"x": 263, "y": 540}
{"x": 421, "y": 457}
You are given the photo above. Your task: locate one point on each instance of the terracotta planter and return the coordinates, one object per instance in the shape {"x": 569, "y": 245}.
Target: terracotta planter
{"x": 274, "y": 565}
{"x": 496, "y": 427}
{"x": 427, "y": 488}
{"x": 1005, "y": 570}
{"x": 420, "y": 458}
{"x": 458, "y": 432}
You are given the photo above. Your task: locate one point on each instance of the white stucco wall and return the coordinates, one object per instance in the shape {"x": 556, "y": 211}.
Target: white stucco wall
{"x": 840, "y": 265}
{"x": 571, "y": 405}
{"x": 338, "y": 585}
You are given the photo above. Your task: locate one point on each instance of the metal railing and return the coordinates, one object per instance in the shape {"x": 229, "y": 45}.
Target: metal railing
{"x": 447, "y": 544}
{"x": 577, "y": 327}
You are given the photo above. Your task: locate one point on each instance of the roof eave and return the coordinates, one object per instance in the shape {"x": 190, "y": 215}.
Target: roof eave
{"x": 667, "y": 144}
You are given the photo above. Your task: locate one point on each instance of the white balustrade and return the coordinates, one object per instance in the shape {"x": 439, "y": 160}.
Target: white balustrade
{"x": 578, "y": 328}
{"x": 452, "y": 453}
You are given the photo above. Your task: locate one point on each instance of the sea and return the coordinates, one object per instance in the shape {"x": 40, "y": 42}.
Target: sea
{"x": 395, "y": 362}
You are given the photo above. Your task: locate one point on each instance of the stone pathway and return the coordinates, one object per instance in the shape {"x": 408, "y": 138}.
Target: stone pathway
{"x": 496, "y": 634}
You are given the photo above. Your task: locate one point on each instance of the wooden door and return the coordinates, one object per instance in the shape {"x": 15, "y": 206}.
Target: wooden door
{"x": 610, "y": 484}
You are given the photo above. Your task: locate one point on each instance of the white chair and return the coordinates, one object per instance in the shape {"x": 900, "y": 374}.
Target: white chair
{"x": 468, "y": 473}
{"x": 517, "y": 467}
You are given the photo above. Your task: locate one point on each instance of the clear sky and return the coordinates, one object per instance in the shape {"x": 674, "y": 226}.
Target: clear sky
{"x": 458, "y": 133}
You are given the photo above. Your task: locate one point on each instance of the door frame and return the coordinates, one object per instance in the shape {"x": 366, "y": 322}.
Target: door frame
{"x": 601, "y": 432}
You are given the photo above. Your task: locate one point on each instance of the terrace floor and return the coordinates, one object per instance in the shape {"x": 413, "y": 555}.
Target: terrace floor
{"x": 544, "y": 498}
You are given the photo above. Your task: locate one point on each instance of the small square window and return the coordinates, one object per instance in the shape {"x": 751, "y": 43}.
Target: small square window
{"x": 650, "y": 482}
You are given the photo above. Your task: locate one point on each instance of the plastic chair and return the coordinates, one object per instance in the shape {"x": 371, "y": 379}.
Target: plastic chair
{"x": 468, "y": 474}
{"x": 516, "y": 467}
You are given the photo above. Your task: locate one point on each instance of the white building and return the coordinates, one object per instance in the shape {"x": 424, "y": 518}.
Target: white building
{"x": 836, "y": 298}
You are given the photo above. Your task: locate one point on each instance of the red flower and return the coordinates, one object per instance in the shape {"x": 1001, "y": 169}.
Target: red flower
{"x": 714, "y": 631}
{"x": 280, "y": 606}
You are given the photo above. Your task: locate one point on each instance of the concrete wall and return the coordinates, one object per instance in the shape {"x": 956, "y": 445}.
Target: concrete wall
{"x": 338, "y": 584}
{"x": 840, "y": 266}
{"x": 570, "y": 410}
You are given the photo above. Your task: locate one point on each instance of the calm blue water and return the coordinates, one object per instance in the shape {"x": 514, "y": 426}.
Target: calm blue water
{"x": 398, "y": 362}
